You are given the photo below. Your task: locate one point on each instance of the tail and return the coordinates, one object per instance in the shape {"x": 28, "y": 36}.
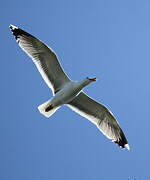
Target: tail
{"x": 47, "y": 109}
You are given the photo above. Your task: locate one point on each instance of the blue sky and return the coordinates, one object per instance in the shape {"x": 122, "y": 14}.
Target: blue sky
{"x": 107, "y": 39}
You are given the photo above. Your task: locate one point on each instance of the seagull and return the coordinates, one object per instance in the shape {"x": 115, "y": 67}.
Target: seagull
{"x": 66, "y": 91}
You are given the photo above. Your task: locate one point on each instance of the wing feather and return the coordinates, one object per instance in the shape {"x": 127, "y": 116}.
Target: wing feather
{"x": 101, "y": 117}
{"x": 44, "y": 58}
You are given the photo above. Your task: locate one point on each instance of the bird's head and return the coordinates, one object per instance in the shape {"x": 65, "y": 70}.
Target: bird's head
{"x": 88, "y": 80}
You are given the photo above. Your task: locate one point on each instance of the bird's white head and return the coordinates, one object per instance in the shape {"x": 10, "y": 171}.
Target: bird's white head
{"x": 87, "y": 81}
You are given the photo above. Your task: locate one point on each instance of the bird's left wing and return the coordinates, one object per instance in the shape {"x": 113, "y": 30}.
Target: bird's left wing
{"x": 44, "y": 58}
{"x": 101, "y": 117}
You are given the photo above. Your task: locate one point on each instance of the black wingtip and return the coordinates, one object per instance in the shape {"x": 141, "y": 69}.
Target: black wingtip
{"x": 122, "y": 145}
{"x": 14, "y": 31}
{"x": 12, "y": 27}
{"x": 18, "y": 32}
{"x": 122, "y": 141}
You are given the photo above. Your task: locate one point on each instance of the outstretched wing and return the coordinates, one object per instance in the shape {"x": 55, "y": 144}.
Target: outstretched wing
{"x": 44, "y": 58}
{"x": 101, "y": 117}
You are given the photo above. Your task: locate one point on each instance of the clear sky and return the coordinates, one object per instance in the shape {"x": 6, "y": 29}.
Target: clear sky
{"x": 103, "y": 38}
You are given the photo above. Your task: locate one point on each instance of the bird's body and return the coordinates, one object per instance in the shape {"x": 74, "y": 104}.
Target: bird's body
{"x": 66, "y": 91}
{"x": 69, "y": 92}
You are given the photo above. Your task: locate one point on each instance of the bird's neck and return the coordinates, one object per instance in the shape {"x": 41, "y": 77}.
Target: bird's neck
{"x": 83, "y": 83}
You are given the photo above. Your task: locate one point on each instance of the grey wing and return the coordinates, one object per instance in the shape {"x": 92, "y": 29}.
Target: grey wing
{"x": 44, "y": 58}
{"x": 100, "y": 116}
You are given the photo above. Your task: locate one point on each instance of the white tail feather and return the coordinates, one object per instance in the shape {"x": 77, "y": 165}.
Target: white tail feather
{"x": 43, "y": 106}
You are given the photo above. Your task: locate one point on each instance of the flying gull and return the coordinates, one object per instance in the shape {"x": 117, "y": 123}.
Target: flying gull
{"x": 66, "y": 91}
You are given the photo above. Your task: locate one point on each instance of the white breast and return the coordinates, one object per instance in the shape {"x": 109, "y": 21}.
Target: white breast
{"x": 66, "y": 94}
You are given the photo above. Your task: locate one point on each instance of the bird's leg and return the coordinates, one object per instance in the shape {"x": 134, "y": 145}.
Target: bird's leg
{"x": 49, "y": 108}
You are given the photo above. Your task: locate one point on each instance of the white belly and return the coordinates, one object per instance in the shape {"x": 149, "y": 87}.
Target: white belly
{"x": 67, "y": 94}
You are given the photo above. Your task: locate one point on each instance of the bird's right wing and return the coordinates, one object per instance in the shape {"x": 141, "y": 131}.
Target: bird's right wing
{"x": 100, "y": 116}
{"x": 44, "y": 58}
